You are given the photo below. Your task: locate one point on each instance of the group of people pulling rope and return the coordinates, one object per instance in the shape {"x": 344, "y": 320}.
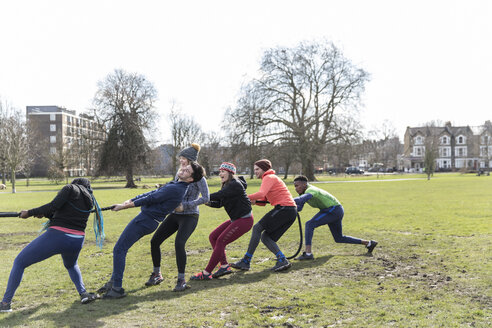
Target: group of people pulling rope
{"x": 173, "y": 208}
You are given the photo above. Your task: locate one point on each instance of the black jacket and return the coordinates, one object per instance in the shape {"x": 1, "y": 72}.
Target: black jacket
{"x": 234, "y": 199}
{"x": 61, "y": 213}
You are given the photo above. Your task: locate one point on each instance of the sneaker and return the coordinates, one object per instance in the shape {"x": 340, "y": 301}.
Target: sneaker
{"x": 201, "y": 276}
{"x": 282, "y": 264}
{"x": 106, "y": 288}
{"x": 371, "y": 246}
{"x": 180, "y": 286}
{"x": 241, "y": 265}
{"x": 222, "y": 272}
{"x": 5, "y": 307}
{"x": 155, "y": 279}
{"x": 113, "y": 293}
{"x": 87, "y": 297}
{"x": 304, "y": 256}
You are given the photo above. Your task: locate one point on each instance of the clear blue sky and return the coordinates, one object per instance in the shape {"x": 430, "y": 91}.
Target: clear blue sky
{"x": 429, "y": 60}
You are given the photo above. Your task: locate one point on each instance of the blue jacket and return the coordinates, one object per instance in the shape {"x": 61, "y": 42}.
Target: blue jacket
{"x": 160, "y": 202}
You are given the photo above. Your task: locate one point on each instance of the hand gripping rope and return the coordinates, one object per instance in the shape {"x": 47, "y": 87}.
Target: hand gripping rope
{"x": 98, "y": 220}
{"x": 300, "y": 231}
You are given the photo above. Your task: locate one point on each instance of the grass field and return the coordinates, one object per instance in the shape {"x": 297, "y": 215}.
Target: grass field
{"x": 432, "y": 267}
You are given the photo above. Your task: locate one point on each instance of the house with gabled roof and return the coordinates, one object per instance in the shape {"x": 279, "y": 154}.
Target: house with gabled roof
{"x": 456, "y": 147}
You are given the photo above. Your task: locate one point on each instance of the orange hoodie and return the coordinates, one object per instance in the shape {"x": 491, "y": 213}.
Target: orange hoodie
{"x": 273, "y": 190}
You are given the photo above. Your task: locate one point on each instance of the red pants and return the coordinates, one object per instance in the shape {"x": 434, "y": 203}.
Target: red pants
{"x": 225, "y": 234}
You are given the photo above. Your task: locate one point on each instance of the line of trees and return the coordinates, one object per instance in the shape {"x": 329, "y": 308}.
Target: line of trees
{"x": 305, "y": 99}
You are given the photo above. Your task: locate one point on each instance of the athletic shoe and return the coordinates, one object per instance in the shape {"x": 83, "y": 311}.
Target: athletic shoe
{"x": 201, "y": 276}
{"x": 222, "y": 272}
{"x": 371, "y": 247}
{"x": 5, "y": 307}
{"x": 304, "y": 256}
{"x": 282, "y": 264}
{"x": 87, "y": 297}
{"x": 155, "y": 279}
{"x": 180, "y": 286}
{"x": 113, "y": 293}
{"x": 241, "y": 265}
{"x": 106, "y": 288}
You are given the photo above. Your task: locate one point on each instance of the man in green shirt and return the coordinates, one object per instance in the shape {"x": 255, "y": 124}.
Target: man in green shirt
{"x": 331, "y": 213}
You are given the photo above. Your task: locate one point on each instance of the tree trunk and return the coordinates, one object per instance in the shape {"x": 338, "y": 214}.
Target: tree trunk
{"x": 286, "y": 171}
{"x": 129, "y": 179}
{"x": 308, "y": 168}
{"x": 13, "y": 181}
{"x": 3, "y": 178}
{"x": 27, "y": 182}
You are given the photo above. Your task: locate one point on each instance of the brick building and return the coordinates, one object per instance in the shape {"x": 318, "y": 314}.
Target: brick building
{"x": 65, "y": 137}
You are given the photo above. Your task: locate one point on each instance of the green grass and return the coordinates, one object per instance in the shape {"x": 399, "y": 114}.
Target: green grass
{"x": 432, "y": 267}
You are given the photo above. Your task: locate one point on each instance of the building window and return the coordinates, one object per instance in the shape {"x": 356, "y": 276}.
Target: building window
{"x": 52, "y": 139}
{"x": 483, "y": 151}
{"x": 461, "y": 140}
{"x": 53, "y": 127}
{"x": 418, "y": 151}
{"x": 53, "y": 150}
{"x": 461, "y": 151}
{"x": 485, "y": 139}
{"x": 445, "y": 140}
{"x": 419, "y": 140}
{"x": 52, "y": 117}
{"x": 444, "y": 152}
{"x": 460, "y": 163}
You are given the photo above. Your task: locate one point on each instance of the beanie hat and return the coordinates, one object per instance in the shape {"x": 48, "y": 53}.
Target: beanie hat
{"x": 264, "y": 164}
{"x": 229, "y": 167}
{"x": 191, "y": 153}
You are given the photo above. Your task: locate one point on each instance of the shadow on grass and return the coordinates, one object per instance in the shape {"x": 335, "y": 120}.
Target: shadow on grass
{"x": 89, "y": 315}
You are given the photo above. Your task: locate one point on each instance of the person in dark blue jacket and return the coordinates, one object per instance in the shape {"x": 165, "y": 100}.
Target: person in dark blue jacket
{"x": 155, "y": 205}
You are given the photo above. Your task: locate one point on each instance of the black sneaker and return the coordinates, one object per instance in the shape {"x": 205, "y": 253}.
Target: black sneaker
{"x": 155, "y": 279}
{"x": 304, "y": 256}
{"x": 222, "y": 272}
{"x": 180, "y": 286}
{"x": 87, "y": 297}
{"x": 371, "y": 246}
{"x": 5, "y": 307}
{"x": 282, "y": 264}
{"x": 113, "y": 293}
{"x": 106, "y": 288}
{"x": 241, "y": 265}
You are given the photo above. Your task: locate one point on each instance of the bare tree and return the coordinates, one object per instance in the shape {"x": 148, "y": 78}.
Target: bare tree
{"x": 431, "y": 148}
{"x": 312, "y": 92}
{"x": 210, "y": 152}
{"x": 184, "y": 131}
{"x": 16, "y": 150}
{"x": 245, "y": 126}
{"x": 124, "y": 103}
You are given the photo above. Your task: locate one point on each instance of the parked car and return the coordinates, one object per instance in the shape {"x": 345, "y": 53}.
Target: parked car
{"x": 353, "y": 170}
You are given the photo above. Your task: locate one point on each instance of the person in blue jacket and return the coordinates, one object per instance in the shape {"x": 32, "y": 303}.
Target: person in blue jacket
{"x": 155, "y": 205}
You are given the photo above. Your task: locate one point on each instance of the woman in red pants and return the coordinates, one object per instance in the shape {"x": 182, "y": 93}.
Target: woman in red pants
{"x": 232, "y": 196}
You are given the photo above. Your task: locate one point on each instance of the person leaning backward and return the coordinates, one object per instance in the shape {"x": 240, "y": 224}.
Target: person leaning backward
{"x": 65, "y": 233}
{"x": 273, "y": 224}
{"x": 155, "y": 205}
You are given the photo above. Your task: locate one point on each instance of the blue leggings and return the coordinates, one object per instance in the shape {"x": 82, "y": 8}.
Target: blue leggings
{"x": 50, "y": 243}
{"x": 140, "y": 226}
{"x": 331, "y": 216}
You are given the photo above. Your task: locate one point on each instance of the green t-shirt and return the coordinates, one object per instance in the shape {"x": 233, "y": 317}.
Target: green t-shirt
{"x": 321, "y": 198}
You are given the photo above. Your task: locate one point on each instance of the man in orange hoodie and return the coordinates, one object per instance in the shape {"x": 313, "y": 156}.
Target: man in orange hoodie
{"x": 276, "y": 222}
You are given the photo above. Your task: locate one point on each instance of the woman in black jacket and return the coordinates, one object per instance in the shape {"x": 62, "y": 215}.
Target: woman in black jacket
{"x": 67, "y": 214}
{"x": 235, "y": 201}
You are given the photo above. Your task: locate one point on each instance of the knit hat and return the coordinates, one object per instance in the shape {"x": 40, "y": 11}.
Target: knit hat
{"x": 191, "y": 153}
{"x": 264, "y": 164}
{"x": 229, "y": 167}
